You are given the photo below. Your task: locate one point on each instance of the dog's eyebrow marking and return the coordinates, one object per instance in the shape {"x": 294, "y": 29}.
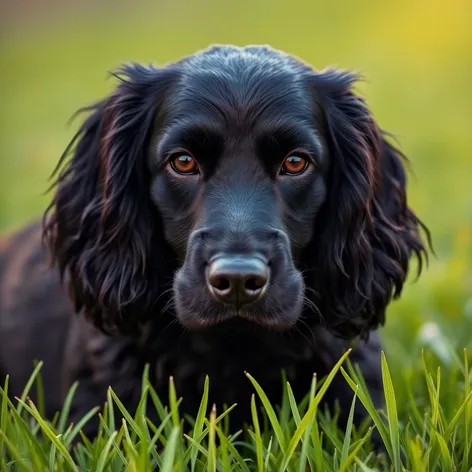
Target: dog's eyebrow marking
{"x": 291, "y": 136}
{"x": 200, "y": 138}
{"x": 196, "y": 124}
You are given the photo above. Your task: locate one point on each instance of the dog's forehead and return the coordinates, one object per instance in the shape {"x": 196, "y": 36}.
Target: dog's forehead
{"x": 243, "y": 86}
{"x": 245, "y": 61}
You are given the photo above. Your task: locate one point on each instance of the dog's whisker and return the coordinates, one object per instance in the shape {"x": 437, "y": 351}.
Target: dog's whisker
{"x": 312, "y": 290}
{"x": 311, "y": 343}
{"x": 312, "y": 306}
{"x": 164, "y": 293}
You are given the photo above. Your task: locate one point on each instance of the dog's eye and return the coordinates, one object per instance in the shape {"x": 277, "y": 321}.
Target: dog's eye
{"x": 184, "y": 164}
{"x": 294, "y": 165}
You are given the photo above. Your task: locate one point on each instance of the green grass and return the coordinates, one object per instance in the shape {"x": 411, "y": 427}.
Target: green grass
{"x": 417, "y": 61}
{"x": 435, "y": 433}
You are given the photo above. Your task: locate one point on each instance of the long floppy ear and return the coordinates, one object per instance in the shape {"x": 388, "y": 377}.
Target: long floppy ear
{"x": 101, "y": 228}
{"x": 368, "y": 232}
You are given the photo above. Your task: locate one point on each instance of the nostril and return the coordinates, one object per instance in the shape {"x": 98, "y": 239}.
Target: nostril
{"x": 220, "y": 283}
{"x": 254, "y": 284}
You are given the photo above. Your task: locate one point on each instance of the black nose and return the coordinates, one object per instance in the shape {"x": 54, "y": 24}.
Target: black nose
{"x": 237, "y": 280}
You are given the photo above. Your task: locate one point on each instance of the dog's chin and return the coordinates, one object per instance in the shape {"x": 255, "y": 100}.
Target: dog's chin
{"x": 195, "y": 321}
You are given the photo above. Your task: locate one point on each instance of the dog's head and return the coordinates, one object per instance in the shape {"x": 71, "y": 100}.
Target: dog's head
{"x": 251, "y": 183}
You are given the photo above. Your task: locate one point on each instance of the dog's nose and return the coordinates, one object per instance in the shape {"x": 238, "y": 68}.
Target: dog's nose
{"x": 237, "y": 280}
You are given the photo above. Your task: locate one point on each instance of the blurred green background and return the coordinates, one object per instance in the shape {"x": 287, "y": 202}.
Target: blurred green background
{"x": 416, "y": 57}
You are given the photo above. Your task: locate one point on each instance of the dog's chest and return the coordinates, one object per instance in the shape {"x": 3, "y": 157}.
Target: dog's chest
{"x": 225, "y": 357}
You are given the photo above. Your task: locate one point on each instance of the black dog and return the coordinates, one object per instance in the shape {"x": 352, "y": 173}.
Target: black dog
{"x": 233, "y": 211}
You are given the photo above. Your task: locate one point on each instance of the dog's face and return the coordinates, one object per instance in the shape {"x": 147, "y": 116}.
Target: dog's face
{"x": 239, "y": 168}
{"x": 264, "y": 181}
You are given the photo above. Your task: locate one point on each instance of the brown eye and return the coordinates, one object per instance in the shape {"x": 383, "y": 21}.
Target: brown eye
{"x": 294, "y": 165}
{"x": 184, "y": 164}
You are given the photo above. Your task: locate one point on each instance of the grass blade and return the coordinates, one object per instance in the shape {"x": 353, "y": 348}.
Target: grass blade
{"x": 270, "y": 413}
{"x": 23, "y": 432}
{"x": 468, "y": 412}
{"x": 347, "y": 435}
{"x": 3, "y": 415}
{"x": 365, "y": 399}
{"x": 345, "y": 463}
{"x": 392, "y": 414}
{"x": 445, "y": 454}
{"x": 241, "y": 463}
{"x": 111, "y": 412}
{"x": 305, "y": 452}
{"x": 51, "y": 435}
{"x": 269, "y": 455}
{"x": 174, "y": 407}
{"x": 28, "y": 386}
{"x": 125, "y": 412}
{"x": 69, "y": 438}
{"x": 200, "y": 422}
{"x": 309, "y": 415}
{"x": 211, "y": 442}
{"x": 64, "y": 415}
{"x": 169, "y": 453}
{"x": 40, "y": 392}
{"x": 293, "y": 405}
{"x": 257, "y": 435}
{"x": 15, "y": 454}
{"x": 104, "y": 455}
{"x": 223, "y": 451}
{"x": 201, "y": 449}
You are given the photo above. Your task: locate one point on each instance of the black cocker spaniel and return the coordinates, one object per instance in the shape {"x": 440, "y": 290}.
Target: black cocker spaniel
{"x": 233, "y": 211}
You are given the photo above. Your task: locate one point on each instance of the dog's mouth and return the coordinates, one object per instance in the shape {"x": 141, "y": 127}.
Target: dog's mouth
{"x": 237, "y": 320}
{"x": 233, "y": 318}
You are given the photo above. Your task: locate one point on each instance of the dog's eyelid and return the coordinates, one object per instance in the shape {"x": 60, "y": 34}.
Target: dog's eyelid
{"x": 177, "y": 151}
{"x": 309, "y": 155}
{"x": 299, "y": 151}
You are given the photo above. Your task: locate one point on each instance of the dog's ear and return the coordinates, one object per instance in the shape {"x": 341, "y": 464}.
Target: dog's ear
{"x": 363, "y": 253}
{"x": 101, "y": 228}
